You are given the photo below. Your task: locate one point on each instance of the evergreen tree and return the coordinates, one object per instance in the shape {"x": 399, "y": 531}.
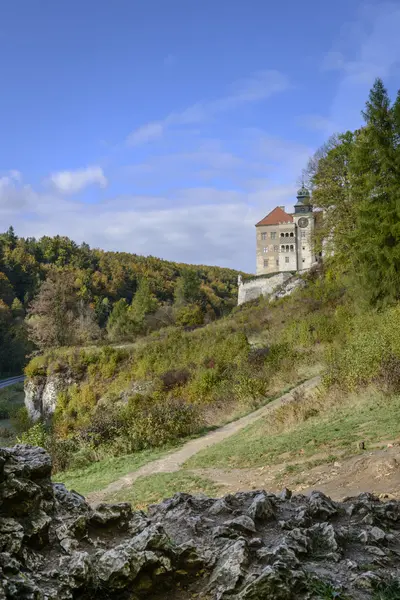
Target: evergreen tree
{"x": 120, "y": 325}
{"x": 144, "y": 302}
{"x": 376, "y": 177}
{"x": 188, "y": 288}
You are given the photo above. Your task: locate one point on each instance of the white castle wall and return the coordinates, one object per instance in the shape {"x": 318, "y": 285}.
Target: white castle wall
{"x": 263, "y": 286}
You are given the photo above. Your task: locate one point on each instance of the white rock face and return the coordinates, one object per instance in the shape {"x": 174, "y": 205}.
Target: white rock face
{"x": 41, "y": 395}
{"x": 263, "y": 286}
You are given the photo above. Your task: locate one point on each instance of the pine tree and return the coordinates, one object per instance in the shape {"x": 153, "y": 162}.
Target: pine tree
{"x": 376, "y": 176}
{"x": 144, "y": 302}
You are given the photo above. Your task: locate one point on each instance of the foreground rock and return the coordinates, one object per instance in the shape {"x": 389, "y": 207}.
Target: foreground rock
{"x": 254, "y": 545}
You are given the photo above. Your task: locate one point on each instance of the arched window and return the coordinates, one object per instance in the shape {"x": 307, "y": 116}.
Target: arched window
{"x": 282, "y": 235}
{"x": 291, "y": 248}
{"x": 286, "y": 235}
{"x": 287, "y": 248}
{"x": 282, "y": 248}
{"x": 291, "y": 234}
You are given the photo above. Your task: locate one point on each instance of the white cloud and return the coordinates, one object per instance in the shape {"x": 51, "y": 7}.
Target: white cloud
{"x": 200, "y": 226}
{"x": 70, "y": 182}
{"x": 258, "y": 87}
{"x": 146, "y": 133}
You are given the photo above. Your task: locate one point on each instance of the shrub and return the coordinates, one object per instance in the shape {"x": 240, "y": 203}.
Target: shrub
{"x": 389, "y": 376}
{"x": 62, "y": 452}
{"x": 20, "y": 420}
{"x": 258, "y": 356}
{"x": 249, "y": 390}
{"x": 105, "y": 425}
{"x": 37, "y": 435}
{"x": 204, "y": 384}
{"x": 174, "y": 378}
{"x": 189, "y": 315}
{"x": 152, "y": 421}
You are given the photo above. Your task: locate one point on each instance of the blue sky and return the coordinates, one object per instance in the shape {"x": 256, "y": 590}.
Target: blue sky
{"x": 170, "y": 127}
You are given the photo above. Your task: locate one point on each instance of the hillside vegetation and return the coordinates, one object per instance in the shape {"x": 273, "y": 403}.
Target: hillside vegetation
{"x": 56, "y": 293}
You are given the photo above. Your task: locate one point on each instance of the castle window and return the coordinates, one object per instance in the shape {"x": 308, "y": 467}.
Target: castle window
{"x": 286, "y": 235}
{"x": 282, "y": 248}
{"x": 287, "y": 248}
{"x": 291, "y": 234}
{"x": 273, "y": 235}
{"x": 292, "y": 248}
{"x": 265, "y": 262}
{"x": 276, "y": 248}
{"x": 303, "y": 248}
{"x": 265, "y": 249}
{"x": 263, "y": 236}
{"x": 286, "y": 259}
{"x": 282, "y": 235}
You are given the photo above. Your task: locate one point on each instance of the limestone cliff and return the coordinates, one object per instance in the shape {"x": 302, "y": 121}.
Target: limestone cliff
{"x": 247, "y": 546}
{"x": 41, "y": 394}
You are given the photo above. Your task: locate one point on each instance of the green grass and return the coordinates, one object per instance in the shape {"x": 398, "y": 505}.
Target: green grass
{"x": 371, "y": 417}
{"x": 100, "y": 474}
{"x": 152, "y": 489}
{"x": 387, "y": 591}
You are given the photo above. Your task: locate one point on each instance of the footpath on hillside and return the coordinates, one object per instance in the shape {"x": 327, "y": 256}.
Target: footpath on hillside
{"x": 173, "y": 462}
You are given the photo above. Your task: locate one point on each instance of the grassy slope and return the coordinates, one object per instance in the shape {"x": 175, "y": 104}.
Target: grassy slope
{"x": 99, "y": 474}
{"x": 154, "y": 488}
{"x": 370, "y": 416}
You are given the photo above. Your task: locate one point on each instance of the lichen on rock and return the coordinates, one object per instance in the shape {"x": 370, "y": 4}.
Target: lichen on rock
{"x": 246, "y": 546}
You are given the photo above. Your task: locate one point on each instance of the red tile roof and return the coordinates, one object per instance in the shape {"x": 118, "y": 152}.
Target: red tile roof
{"x": 275, "y": 217}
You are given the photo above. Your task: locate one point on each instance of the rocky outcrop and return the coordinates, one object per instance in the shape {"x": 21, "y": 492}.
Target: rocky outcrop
{"x": 277, "y": 286}
{"x": 41, "y": 394}
{"x": 247, "y": 546}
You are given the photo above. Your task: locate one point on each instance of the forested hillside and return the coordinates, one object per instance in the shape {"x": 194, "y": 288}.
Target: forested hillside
{"x": 55, "y": 293}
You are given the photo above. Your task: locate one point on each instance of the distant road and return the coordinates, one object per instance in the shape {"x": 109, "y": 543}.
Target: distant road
{"x": 11, "y": 380}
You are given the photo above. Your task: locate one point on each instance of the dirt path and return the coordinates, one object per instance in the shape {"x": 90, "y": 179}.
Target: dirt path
{"x": 173, "y": 462}
{"x": 376, "y": 471}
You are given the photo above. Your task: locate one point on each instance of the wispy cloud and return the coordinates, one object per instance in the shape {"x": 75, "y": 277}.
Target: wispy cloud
{"x": 258, "y": 87}
{"x": 317, "y": 123}
{"x": 146, "y": 133}
{"x": 71, "y": 182}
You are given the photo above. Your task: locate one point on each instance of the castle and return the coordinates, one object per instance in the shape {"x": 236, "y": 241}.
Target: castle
{"x": 285, "y": 241}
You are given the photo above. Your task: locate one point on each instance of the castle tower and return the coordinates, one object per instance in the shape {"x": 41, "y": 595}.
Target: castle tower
{"x": 304, "y": 220}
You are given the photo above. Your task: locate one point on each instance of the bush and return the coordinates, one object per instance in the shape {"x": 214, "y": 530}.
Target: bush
{"x": 152, "y": 422}
{"x": 389, "y": 376}
{"x": 20, "y": 420}
{"x": 250, "y": 390}
{"x": 258, "y": 356}
{"x": 62, "y": 452}
{"x": 189, "y": 315}
{"x": 37, "y": 435}
{"x": 174, "y": 378}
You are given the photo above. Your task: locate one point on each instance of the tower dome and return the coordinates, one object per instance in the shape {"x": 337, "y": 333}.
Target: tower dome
{"x": 303, "y": 194}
